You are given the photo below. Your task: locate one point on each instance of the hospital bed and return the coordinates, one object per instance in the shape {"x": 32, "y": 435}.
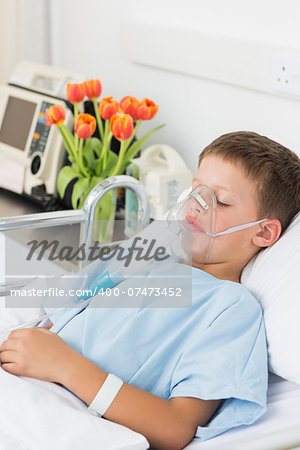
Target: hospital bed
{"x": 28, "y": 418}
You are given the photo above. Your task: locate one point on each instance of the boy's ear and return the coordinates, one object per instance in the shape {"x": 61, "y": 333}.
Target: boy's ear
{"x": 269, "y": 233}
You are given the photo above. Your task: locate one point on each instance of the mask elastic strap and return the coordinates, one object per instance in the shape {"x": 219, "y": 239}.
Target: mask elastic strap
{"x": 237, "y": 228}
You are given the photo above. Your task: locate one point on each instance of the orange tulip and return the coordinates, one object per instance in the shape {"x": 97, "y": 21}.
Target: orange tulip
{"x": 55, "y": 115}
{"x": 121, "y": 126}
{"x": 129, "y": 105}
{"x": 93, "y": 89}
{"x": 85, "y": 126}
{"x": 108, "y": 107}
{"x": 75, "y": 92}
{"x": 146, "y": 109}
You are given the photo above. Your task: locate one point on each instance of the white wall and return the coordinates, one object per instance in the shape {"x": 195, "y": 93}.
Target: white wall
{"x": 85, "y": 37}
{"x": 7, "y": 42}
{"x": 23, "y": 33}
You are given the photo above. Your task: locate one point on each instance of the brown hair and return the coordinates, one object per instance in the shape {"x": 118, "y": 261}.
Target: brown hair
{"x": 274, "y": 168}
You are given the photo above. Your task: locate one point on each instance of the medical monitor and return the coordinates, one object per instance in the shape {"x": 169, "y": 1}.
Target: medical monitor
{"x": 31, "y": 151}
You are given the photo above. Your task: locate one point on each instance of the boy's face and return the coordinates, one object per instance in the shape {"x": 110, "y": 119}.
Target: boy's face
{"x": 236, "y": 205}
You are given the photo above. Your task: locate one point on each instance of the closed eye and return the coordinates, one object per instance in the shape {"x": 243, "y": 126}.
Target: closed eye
{"x": 223, "y": 205}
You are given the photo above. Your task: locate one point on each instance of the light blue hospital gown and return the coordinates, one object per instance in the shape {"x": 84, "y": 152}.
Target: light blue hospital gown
{"x": 214, "y": 349}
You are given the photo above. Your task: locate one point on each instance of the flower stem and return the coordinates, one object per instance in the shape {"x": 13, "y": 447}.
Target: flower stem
{"x": 106, "y": 143}
{"x": 120, "y": 158}
{"x": 99, "y": 120}
{"x": 80, "y": 161}
{"x": 67, "y": 141}
{"x": 75, "y": 115}
{"x": 69, "y": 144}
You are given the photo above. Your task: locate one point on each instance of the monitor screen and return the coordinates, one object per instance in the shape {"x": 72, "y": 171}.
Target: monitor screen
{"x": 16, "y": 122}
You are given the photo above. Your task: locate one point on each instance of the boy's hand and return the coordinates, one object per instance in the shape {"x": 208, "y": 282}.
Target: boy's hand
{"x": 36, "y": 353}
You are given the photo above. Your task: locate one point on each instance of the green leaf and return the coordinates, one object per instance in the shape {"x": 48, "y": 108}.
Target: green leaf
{"x": 66, "y": 175}
{"x": 71, "y": 159}
{"x": 78, "y": 191}
{"x": 99, "y": 166}
{"x": 110, "y": 165}
{"x": 97, "y": 145}
{"x": 83, "y": 198}
{"x": 134, "y": 148}
{"x": 88, "y": 154}
{"x": 124, "y": 164}
{"x": 105, "y": 206}
{"x": 92, "y": 183}
{"x": 75, "y": 168}
{"x": 94, "y": 165}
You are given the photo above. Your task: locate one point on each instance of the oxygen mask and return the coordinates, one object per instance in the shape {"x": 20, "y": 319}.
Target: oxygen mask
{"x": 193, "y": 221}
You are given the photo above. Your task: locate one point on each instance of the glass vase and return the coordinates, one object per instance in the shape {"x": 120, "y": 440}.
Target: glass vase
{"x": 105, "y": 218}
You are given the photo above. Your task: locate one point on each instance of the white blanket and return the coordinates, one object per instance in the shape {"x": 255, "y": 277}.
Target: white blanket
{"x": 38, "y": 415}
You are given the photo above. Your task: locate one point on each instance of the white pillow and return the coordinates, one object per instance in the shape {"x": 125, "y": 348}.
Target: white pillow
{"x": 273, "y": 277}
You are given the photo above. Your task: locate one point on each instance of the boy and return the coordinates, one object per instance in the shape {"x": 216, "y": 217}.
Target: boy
{"x": 190, "y": 371}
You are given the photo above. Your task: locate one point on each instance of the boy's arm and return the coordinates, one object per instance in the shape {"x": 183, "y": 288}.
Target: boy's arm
{"x": 165, "y": 424}
{"x": 39, "y": 353}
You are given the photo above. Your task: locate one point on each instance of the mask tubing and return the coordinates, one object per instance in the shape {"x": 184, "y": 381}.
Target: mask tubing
{"x": 44, "y": 316}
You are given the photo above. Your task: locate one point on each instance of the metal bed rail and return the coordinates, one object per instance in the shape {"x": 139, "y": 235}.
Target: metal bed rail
{"x": 86, "y": 215}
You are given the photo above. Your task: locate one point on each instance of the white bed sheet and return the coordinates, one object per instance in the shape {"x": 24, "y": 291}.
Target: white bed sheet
{"x": 38, "y": 415}
{"x": 278, "y": 428}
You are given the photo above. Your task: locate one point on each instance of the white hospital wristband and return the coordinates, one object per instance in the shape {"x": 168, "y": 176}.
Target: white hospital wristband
{"x": 106, "y": 395}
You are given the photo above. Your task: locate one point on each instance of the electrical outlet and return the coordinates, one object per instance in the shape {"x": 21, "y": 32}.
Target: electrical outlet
{"x": 286, "y": 76}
